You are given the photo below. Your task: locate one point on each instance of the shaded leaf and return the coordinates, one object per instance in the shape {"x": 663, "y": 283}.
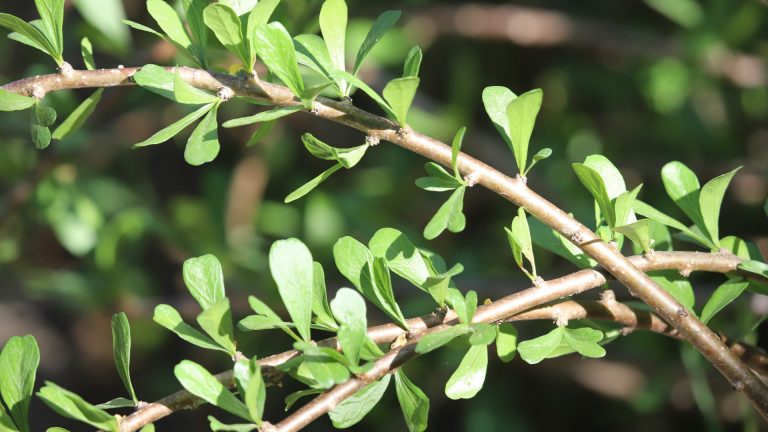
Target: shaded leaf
{"x": 170, "y": 318}
{"x": 315, "y": 182}
{"x": 204, "y": 280}
{"x": 449, "y": 216}
{"x": 413, "y": 402}
{"x": 469, "y": 377}
{"x": 354, "y": 408}
{"x": 121, "y": 350}
{"x": 15, "y": 102}
{"x": 275, "y": 47}
{"x": 506, "y": 342}
{"x": 399, "y": 94}
{"x": 78, "y": 117}
{"x": 70, "y": 405}
{"x": 710, "y": 200}
{"x": 380, "y": 27}
{"x": 721, "y": 297}
{"x": 263, "y": 116}
{"x": 349, "y": 310}
{"x": 216, "y": 321}
{"x": 433, "y": 341}
{"x": 171, "y": 131}
{"x": 203, "y": 144}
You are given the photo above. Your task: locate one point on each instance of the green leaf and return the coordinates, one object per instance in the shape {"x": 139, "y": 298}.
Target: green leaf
{"x": 639, "y": 232}
{"x": 413, "y": 402}
{"x": 347, "y": 157}
{"x": 552, "y": 241}
{"x": 107, "y": 17}
{"x": 320, "y": 306}
{"x": 267, "y": 319}
{"x": 30, "y": 35}
{"x": 169, "y": 318}
{"x": 612, "y": 178}
{"x": 198, "y": 381}
{"x": 15, "y": 102}
{"x": 70, "y": 405}
{"x": 682, "y": 186}
{"x": 380, "y": 27}
{"x": 455, "y": 149}
{"x": 185, "y": 93}
{"x": 204, "y": 279}
{"x": 227, "y": 28}
{"x": 622, "y": 206}
{"x": 333, "y": 26}
{"x": 315, "y": 182}
{"x": 535, "y": 350}
{"x": 357, "y": 82}
{"x": 369, "y": 275}
{"x": 263, "y": 116}
{"x": 18, "y": 364}
{"x": 52, "y": 16}
{"x": 169, "y": 21}
{"x": 439, "y": 180}
{"x": 170, "y": 131}
{"x": 291, "y": 265}
{"x": 521, "y": 115}
{"x": 710, "y": 200}
{"x": 349, "y": 310}
{"x": 469, "y": 377}
{"x": 401, "y": 255}
{"x": 412, "y": 62}
{"x": 594, "y": 183}
{"x": 78, "y": 117}
{"x": 723, "y": 295}
{"x": 219, "y": 426}
{"x": 354, "y": 408}
{"x": 676, "y": 285}
{"x": 260, "y": 133}
{"x": 506, "y": 342}
{"x": 6, "y": 423}
{"x": 399, "y": 94}
{"x": 323, "y": 365}
{"x": 121, "y": 350}
{"x": 258, "y": 17}
{"x": 42, "y": 117}
{"x": 241, "y": 7}
{"x": 519, "y": 238}
{"x": 585, "y": 341}
{"x": 156, "y": 79}
{"x": 295, "y": 396}
{"x": 496, "y": 99}
{"x": 193, "y": 12}
{"x": 117, "y": 403}
{"x": 433, "y": 341}
{"x": 646, "y": 210}
{"x": 759, "y": 268}
{"x": 203, "y": 144}
{"x": 449, "y": 215}
{"x": 482, "y": 333}
{"x": 539, "y": 156}
{"x": 312, "y": 52}
{"x": 251, "y": 385}
{"x": 216, "y": 321}
{"x": 275, "y": 47}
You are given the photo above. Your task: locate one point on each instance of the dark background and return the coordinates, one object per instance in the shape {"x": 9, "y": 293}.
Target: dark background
{"x": 619, "y": 78}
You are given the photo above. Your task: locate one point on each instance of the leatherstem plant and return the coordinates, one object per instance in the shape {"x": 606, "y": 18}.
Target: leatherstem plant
{"x": 350, "y": 372}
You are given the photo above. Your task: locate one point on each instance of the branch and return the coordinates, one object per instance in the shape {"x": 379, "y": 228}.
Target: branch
{"x": 514, "y": 190}
{"x": 499, "y": 310}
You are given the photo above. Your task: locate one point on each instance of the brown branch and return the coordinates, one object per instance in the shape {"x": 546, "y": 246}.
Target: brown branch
{"x": 513, "y": 189}
{"x": 537, "y": 27}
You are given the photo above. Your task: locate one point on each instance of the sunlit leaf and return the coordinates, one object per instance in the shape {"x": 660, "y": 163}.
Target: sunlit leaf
{"x": 469, "y": 377}
{"x": 380, "y": 27}
{"x": 413, "y": 402}
{"x": 399, "y": 94}
{"x": 290, "y": 263}
{"x": 18, "y": 365}
{"x": 449, "y": 216}
{"x": 78, "y": 117}
{"x": 121, "y": 350}
{"x": 198, "y": 381}
{"x": 203, "y": 144}
{"x": 353, "y": 409}
{"x": 70, "y": 405}
{"x": 721, "y": 297}
{"x": 170, "y": 318}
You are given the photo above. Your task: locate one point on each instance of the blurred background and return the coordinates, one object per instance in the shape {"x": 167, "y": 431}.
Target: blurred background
{"x": 89, "y": 227}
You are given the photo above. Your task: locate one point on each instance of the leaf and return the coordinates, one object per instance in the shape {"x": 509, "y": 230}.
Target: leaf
{"x": 539, "y": 156}
{"x": 710, "y": 200}
{"x": 433, "y": 341}
{"x": 412, "y": 62}
{"x": 323, "y": 365}
{"x": 227, "y": 28}
{"x": 320, "y": 306}
{"x": 170, "y": 131}
{"x": 496, "y": 99}
{"x": 258, "y": 17}
{"x": 107, "y": 17}
{"x": 639, "y": 232}
{"x": 185, "y": 93}
{"x": 455, "y": 149}
{"x": 121, "y": 350}
{"x": 15, "y": 102}
{"x": 290, "y": 263}
{"x": 204, "y": 280}
{"x": 270, "y": 318}
{"x": 219, "y": 426}
{"x": 676, "y": 285}
{"x": 380, "y": 27}
{"x": 585, "y": 341}
{"x": 78, "y": 117}
{"x": 30, "y": 34}
{"x": 506, "y": 342}
{"x": 439, "y": 180}
{"x": 193, "y": 12}
{"x": 216, "y": 321}
{"x": 469, "y": 377}
{"x": 682, "y": 186}
{"x": 399, "y": 94}
{"x": 203, "y": 144}
{"x": 260, "y": 133}
{"x": 449, "y": 215}
{"x": 369, "y": 275}
{"x": 6, "y": 424}
{"x": 252, "y": 387}
{"x": 482, "y": 333}
{"x": 156, "y": 79}
{"x": 721, "y": 297}
{"x": 653, "y": 214}
{"x": 263, "y": 116}
{"x": 413, "y": 402}
{"x": 312, "y": 52}
{"x": 594, "y": 183}
{"x": 353, "y": 409}
{"x": 198, "y": 381}
{"x": 169, "y": 318}
{"x": 400, "y": 254}
{"x": 42, "y": 117}
{"x": 70, "y": 405}
{"x": 241, "y": 7}
{"x": 169, "y": 21}
{"x": 622, "y": 206}
{"x": 52, "y": 16}
{"x": 275, "y": 47}
{"x": 18, "y": 364}
{"x": 535, "y": 350}
{"x": 333, "y": 26}
{"x": 357, "y": 82}
{"x": 612, "y": 178}
{"x": 117, "y": 403}
{"x": 349, "y": 310}
{"x": 519, "y": 238}
{"x": 295, "y": 396}
{"x": 552, "y": 241}
{"x": 308, "y": 186}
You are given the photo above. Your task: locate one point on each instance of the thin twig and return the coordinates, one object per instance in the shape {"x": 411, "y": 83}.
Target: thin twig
{"x": 517, "y": 192}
